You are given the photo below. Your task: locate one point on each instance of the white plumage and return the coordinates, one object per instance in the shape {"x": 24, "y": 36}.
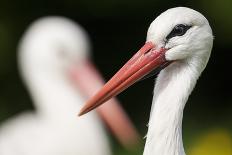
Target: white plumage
{"x": 174, "y": 84}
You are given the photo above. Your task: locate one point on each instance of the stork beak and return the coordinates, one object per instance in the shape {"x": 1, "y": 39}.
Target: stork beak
{"x": 142, "y": 63}
{"x": 88, "y": 80}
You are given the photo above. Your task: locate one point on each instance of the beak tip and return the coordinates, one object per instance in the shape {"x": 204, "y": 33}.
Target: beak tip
{"x": 82, "y": 112}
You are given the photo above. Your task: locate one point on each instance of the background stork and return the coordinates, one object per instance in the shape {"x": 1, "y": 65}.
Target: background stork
{"x": 54, "y": 63}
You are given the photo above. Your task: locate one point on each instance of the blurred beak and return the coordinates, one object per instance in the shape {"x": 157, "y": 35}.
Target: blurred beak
{"x": 146, "y": 60}
{"x": 89, "y": 81}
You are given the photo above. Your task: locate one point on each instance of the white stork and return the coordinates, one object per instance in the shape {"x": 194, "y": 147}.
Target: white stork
{"x": 179, "y": 43}
{"x": 54, "y": 63}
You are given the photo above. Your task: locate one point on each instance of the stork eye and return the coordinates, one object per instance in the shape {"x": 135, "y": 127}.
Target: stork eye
{"x": 178, "y": 30}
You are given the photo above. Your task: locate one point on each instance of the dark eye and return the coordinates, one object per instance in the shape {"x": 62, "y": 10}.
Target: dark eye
{"x": 178, "y": 30}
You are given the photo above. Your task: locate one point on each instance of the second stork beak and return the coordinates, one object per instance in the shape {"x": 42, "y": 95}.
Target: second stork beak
{"x": 142, "y": 63}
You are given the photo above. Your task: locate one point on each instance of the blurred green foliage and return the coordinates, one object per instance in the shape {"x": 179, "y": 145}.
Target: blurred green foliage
{"x": 212, "y": 142}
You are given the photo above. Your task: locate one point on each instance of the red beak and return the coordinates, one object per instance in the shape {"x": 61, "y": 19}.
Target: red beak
{"x": 142, "y": 63}
{"x": 88, "y": 81}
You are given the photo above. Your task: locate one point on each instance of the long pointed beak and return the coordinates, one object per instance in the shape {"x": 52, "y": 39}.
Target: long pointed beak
{"x": 148, "y": 58}
{"x": 88, "y": 81}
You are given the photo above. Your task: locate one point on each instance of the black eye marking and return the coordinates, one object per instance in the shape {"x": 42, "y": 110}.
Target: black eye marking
{"x": 178, "y": 30}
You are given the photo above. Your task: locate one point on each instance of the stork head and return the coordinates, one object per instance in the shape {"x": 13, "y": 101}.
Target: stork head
{"x": 178, "y": 34}
{"x": 182, "y": 32}
{"x": 53, "y": 43}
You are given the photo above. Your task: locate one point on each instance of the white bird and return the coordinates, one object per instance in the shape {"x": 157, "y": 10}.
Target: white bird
{"x": 179, "y": 42}
{"x": 54, "y": 63}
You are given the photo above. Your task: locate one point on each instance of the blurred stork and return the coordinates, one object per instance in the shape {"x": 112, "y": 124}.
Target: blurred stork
{"x": 54, "y": 63}
{"x": 179, "y": 43}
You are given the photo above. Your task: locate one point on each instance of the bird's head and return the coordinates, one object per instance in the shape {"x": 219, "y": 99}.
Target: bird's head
{"x": 178, "y": 34}
{"x": 182, "y": 32}
{"x": 54, "y": 44}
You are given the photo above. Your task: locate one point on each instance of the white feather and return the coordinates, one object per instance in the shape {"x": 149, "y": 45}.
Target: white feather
{"x": 174, "y": 84}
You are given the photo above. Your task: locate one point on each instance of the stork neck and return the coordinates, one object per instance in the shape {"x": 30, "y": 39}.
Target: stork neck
{"x": 173, "y": 86}
{"x": 53, "y": 94}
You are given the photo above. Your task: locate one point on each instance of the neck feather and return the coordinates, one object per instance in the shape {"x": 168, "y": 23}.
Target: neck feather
{"x": 53, "y": 94}
{"x": 174, "y": 85}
